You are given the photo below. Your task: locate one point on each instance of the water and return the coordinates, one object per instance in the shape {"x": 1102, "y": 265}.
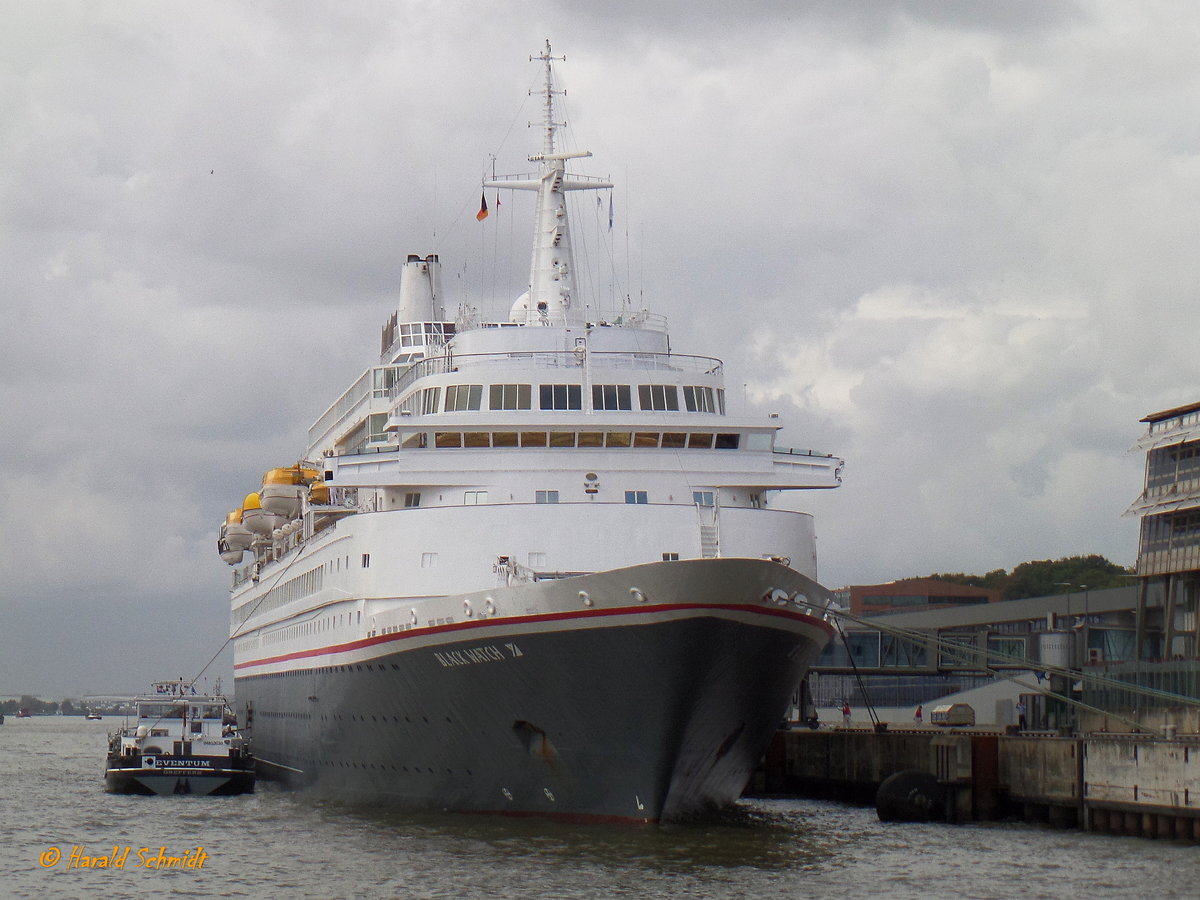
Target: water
{"x": 276, "y": 844}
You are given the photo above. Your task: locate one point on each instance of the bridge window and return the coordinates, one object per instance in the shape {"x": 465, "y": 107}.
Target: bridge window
{"x": 658, "y": 397}
{"x": 699, "y": 399}
{"x": 509, "y": 396}
{"x": 427, "y": 401}
{"x": 546, "y": 496}
{"x": 561, "y": 396}
{"x": 611, "y": 396}
{"x": 636, "y": 497}
{"x": 460, "y": 397}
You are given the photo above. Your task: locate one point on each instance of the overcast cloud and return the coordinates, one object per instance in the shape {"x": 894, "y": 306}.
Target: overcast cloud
{"x": 950, "y": 242}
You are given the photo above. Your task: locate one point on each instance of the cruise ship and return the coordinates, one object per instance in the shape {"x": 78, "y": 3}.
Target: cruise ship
{"x": 529, "y": 565}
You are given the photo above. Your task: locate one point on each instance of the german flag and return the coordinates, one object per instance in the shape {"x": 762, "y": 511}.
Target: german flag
{"x": 483, "y": 210}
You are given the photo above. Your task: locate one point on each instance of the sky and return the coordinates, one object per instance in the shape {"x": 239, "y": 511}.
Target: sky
{"x": 951, "y": 243}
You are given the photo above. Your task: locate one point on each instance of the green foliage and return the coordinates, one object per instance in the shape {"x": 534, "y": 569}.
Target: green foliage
{"x": 1041, "y": 578}
{"x": 33, "y": 704}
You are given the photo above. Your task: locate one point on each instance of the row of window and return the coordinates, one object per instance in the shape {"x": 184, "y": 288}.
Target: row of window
{"x": 294, "y": 588}
{"x": 605, "y": 397}
{"x": 678, "y": 440}
{"x": 920, "y": 600}
{"x": 1173, "y": 465}
{"x": 480, "y": 498}
{"x": 313, "y": 626}
{"x": 875, "y": 649}
{"x": 1172, "y": 531}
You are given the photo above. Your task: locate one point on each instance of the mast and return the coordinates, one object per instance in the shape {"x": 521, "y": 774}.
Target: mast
{"x": 551, "y": 298}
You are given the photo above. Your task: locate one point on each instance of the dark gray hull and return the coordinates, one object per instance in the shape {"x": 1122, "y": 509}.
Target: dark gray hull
{"x": 647, "y": 713}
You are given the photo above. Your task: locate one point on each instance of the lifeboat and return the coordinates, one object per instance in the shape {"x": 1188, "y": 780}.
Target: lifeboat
{"x": 283, "y": 489}
{"x": 318, "y": 494}
{"x": 235, "y": 538}
{"x": 258, "y": 520}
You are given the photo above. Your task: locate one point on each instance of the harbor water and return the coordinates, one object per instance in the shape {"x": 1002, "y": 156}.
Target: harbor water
{"x": 55, "y": 818}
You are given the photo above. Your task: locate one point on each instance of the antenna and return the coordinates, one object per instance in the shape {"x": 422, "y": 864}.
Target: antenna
{"x": 548, "y": 122}
{"x": 552, "y": 261}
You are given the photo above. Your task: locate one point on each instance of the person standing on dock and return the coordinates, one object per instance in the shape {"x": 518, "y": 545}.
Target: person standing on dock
{"x": 917, "y": 715}
{"x": 846, "y": 713}
{"x": 1021, "y": 714}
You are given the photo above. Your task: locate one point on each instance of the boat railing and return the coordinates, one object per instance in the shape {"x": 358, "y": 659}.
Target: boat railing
{"x": 376, "y": 381}
{"x": 787, "y": 451}
{"x": 471, "y": 320}
{"x": 391, "y": 380}
{"x": 609, "y": 360}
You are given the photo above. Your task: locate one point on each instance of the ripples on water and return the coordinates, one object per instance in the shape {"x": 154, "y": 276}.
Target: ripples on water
{"x": 276, "y": 844}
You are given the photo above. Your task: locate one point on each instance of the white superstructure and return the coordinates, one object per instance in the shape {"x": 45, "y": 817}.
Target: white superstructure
{"x": 479, "y": 460}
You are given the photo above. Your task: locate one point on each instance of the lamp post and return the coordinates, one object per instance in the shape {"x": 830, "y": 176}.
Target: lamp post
{"x": 1068, "y": 586}
{"x": 1058, "y": 712}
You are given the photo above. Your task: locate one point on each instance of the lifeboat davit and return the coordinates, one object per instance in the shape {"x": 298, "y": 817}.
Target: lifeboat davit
{"x": 235, "y": 538}
{"x": 283, "y": 489}
{"x": 258, "y": 520}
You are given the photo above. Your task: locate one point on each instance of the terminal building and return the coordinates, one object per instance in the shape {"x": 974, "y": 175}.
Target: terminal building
{"x": 912, "y": 593}
{"x": 1169, "y": 538}
{"x": 1086, "y": 659}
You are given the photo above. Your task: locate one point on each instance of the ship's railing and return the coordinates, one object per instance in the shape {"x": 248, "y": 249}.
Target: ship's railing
{"x": 795, "y": 458}
{"x": 470, "y": 319}
{"x": 391, "y": 380}
{"x": 607, "y": 360}
{"x": 787, "y": 451}
{"x": 375, "y": 381}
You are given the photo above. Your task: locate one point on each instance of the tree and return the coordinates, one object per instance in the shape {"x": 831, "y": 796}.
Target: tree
{"x": 1044, "y": 577}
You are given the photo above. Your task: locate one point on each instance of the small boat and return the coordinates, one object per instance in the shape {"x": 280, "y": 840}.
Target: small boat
{"x": 24, "y": 713}
{"x": 181, "y": 743}
{"x": 93, "y": 717}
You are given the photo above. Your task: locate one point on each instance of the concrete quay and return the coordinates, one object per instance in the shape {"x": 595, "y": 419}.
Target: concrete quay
{"x": 1128, "y": 784}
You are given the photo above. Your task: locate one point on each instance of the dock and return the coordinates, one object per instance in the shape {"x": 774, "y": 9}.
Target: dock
{"x": 1126, "y": 784}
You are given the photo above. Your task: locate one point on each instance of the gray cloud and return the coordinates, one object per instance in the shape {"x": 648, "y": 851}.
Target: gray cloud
{"x": 947, "y": 241}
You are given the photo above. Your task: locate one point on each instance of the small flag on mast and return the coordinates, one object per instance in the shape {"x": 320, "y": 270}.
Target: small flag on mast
{"x": 610, "y": 212}
{"x": 483, "y": 210}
